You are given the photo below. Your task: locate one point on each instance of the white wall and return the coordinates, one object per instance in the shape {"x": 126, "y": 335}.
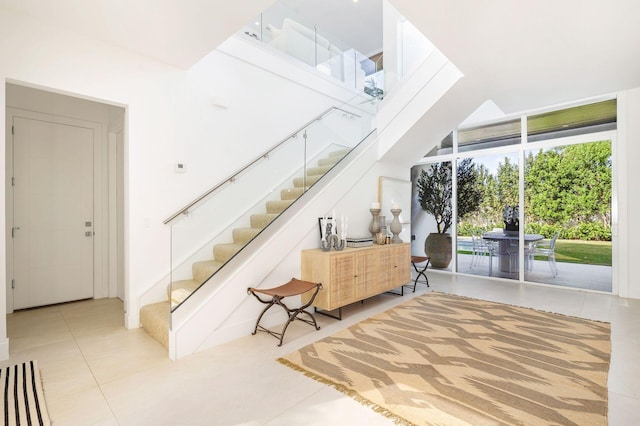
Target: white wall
{"x": 64, "y": 62}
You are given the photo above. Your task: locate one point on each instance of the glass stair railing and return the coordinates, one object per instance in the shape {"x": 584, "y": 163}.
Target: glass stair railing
{"x": 284, "y": 28}
{"x": 216, "y": 226}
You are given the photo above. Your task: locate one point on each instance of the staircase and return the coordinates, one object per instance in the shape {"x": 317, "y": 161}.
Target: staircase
{"x": 154, "y": 317}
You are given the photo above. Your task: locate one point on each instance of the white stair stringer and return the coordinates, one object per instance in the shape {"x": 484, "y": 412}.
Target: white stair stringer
{"x": 196, "y": 324}
{"x": 409, "y": 102}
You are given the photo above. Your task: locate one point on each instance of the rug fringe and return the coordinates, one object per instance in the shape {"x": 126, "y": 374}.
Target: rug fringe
{"x": 399, "y": 420}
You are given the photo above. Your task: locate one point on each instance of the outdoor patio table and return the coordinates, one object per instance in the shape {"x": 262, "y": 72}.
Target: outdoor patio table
{"x": 504, "y": 242}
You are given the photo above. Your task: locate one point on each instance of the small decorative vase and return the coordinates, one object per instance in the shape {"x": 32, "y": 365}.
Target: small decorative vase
{"x": 374, "y": 226}
{"x": 382, "y": 220}
{"x": 332, "y": 241}
{"x": 396, "y": 226}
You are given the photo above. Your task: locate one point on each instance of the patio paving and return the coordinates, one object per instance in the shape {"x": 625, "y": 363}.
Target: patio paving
{"x": 589, "y": 277}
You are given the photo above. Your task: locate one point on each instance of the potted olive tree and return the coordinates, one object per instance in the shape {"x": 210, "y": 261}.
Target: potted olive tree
{"x": 435, "y": 191}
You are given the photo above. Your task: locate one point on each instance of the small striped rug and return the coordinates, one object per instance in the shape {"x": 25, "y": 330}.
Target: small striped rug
{"x": 22, "y": 395}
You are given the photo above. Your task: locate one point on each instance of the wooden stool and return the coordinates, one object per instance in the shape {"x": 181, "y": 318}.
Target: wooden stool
{"x": 292, "y": 288}
{"x": 415, "y": 261}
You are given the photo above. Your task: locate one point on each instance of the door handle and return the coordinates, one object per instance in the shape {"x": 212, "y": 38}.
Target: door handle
{"x": 89, "y": 234}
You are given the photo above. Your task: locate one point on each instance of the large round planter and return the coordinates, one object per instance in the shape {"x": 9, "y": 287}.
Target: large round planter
{"x": 438, "y": 247}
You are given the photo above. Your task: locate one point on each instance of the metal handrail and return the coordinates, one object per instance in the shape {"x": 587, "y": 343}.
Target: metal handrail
{"x": 196, "y": 201}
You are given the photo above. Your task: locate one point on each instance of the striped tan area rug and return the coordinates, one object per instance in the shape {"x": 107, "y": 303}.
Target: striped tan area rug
{"x": 23, "y": 397}
{"x": 441, "y": 359}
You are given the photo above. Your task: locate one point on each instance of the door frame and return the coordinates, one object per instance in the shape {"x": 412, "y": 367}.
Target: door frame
{"x": 100, "y": 203}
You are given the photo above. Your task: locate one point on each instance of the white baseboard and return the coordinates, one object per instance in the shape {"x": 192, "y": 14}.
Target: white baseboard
{"x": 4, "y": 349}
{"x": 131, "y": 321}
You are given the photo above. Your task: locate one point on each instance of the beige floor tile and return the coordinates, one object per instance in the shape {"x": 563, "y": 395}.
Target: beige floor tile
{"x": 29, "y": 329}
{"x": 122, "y": 353}
{"x": 97, "y": 317}
{"x": 623, "y": 410}
{"x": 330, "y": 407}
{"x": 88, "y": 407}
{"x": 97, "y": 372}
{"x": 48, "y": 355}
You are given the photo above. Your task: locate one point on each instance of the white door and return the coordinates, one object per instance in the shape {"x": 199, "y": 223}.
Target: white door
{"x": 53, "y": 212}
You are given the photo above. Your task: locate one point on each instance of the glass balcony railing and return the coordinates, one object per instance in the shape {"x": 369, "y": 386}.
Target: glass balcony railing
{"x": 284, "y": 29}
{"x": 215, "y": 227}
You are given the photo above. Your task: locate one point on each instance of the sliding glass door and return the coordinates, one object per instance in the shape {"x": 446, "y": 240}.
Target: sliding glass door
{"x": 487, "y": 192}
{"x": 531, "y": 196}
{"x": 568, "y": 195}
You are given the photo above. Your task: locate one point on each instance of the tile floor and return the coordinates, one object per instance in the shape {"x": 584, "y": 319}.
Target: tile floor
{"x": 96, "y": 372}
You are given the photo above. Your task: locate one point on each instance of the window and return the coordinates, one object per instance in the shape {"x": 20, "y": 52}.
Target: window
{"x": 578, "y": 120}
{"x": 489, "y": 136}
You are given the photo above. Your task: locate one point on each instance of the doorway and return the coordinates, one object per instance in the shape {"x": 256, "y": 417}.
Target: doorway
{"x": 64, "y": 198}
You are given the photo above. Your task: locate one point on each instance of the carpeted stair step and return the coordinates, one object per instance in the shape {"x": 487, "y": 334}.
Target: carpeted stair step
{"x": 320, "y": 170}
{"x": 224, "y": 252}
{"x": 329, "y": 161}
{"x": 204, "y": 269}
{"x": 299, "y": 182}
{"x": 278, "y": 206}
{"x": 244, "y": 235}
{"x": 333, "y": 158}
{"x": 291, "y": 193}
{"x": 260, "y": 220}
{"x": 154, "y": 318}
{"x": 339, "y": 152}
{"x": 178, "y": 291}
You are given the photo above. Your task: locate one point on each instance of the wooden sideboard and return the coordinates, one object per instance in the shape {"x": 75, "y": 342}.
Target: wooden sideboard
{"x": 354, "y": 274}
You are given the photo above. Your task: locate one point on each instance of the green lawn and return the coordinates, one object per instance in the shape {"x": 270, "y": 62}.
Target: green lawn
{"x": 586, "y": 252}
{"x": 577, "y": 251}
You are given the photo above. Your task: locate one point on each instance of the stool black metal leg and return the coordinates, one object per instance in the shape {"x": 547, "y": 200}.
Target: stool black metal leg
{"x": 292, "y": 314}
{"x": 269, "y": 304}
{"x": 421, "y": 272}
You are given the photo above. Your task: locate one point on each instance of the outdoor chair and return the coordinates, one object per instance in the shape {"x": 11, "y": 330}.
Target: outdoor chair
{"x": 481, "y": 249}
{"x": 546, "y": 249}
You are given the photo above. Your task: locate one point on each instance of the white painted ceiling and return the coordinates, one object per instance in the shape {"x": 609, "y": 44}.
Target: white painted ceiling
{"x": 523, "y": 54}
{"x": 535, "y": 53}
{"x": 177, "y": 32}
